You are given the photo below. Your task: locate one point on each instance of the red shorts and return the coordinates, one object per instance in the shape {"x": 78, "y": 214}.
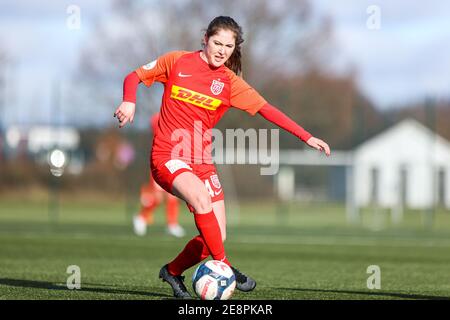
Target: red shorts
{"x": 165, "y": 170}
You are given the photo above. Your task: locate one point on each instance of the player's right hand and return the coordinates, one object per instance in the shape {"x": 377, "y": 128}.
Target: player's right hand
{"x": 125, "y": 112}
{"x": 318, "y": 144}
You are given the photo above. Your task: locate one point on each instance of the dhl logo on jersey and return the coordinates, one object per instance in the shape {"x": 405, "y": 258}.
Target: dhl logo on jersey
{"x": 195, "y": 98}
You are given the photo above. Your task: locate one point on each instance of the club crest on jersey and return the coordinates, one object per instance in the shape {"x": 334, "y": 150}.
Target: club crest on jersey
{"x": 217, "y": 87}
{"x": 215, "y": 181}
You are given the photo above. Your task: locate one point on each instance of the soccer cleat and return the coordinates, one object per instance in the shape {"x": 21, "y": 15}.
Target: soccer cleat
{"x": 175, "y": 230}
{"x": 243, "y": 282}
{"x": 139, "y": 225}
{"x": 176, "y": 282}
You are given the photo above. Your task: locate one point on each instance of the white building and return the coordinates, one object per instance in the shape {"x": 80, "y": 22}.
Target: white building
{"x": 43, "y": 138}
{"x": 42, "y": 141}
{"x": 405, "y": 166}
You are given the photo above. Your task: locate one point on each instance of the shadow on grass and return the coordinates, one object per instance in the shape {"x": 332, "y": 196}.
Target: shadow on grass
{"x": 53, "y": 286}
{"x": 373, "y": 293}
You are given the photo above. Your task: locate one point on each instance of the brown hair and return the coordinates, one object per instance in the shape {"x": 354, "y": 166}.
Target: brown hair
{"x": 227, "y": 23}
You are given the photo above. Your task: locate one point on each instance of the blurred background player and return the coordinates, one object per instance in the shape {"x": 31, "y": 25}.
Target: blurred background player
{"x": 151, "y": 197}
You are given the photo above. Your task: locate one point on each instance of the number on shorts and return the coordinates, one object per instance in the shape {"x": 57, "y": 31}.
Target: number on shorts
{"x": 208, "y": 187}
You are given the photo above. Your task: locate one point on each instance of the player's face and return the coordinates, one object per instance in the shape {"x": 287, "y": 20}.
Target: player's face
{"x": 219, "y": 47}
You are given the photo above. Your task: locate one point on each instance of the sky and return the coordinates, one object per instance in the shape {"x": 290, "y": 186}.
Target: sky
{"x": 399, "y": 49}
{"x": 406, "y": 58}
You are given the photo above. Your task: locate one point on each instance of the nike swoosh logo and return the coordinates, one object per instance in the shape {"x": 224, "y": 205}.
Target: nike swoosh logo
{"x": 217, "y": 193}
{"x": 184, "y": 75}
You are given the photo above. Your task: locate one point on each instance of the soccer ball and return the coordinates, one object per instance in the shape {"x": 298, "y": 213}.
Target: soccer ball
{"x": 214, "y": 280}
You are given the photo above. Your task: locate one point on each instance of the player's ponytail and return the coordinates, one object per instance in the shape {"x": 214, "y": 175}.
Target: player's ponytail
{"x": 227, "y": 23}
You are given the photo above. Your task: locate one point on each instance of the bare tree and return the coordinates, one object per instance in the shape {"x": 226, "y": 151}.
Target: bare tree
{"x": 3, "y": 62}
{"x": 284, "y": 36}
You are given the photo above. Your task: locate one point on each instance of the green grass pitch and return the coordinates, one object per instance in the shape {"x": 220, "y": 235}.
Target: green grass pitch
{"x": 307, "y": 253}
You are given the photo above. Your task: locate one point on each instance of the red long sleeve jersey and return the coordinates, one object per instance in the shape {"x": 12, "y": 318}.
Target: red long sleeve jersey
{"x": 195, "y": 97}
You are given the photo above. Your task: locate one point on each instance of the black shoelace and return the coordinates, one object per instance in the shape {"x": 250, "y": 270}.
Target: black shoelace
{"x": 239, "y": 276}
{"x": 180, "y": 283}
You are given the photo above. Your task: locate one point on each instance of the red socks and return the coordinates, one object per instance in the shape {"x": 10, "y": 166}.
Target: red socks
{"x": 208, "y": 242}
{"x": 194, "y": 252}
{"x": 210, "y": 231}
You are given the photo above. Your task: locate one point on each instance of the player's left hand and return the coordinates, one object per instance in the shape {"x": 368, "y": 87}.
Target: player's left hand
{"x": 319, "y": 145}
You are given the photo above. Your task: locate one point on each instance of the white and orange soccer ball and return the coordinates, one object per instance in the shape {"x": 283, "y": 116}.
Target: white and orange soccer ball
{"x": 214, "y": 280}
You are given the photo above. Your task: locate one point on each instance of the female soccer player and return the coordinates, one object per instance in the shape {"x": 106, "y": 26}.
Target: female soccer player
{"x": 199, "y": 87}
